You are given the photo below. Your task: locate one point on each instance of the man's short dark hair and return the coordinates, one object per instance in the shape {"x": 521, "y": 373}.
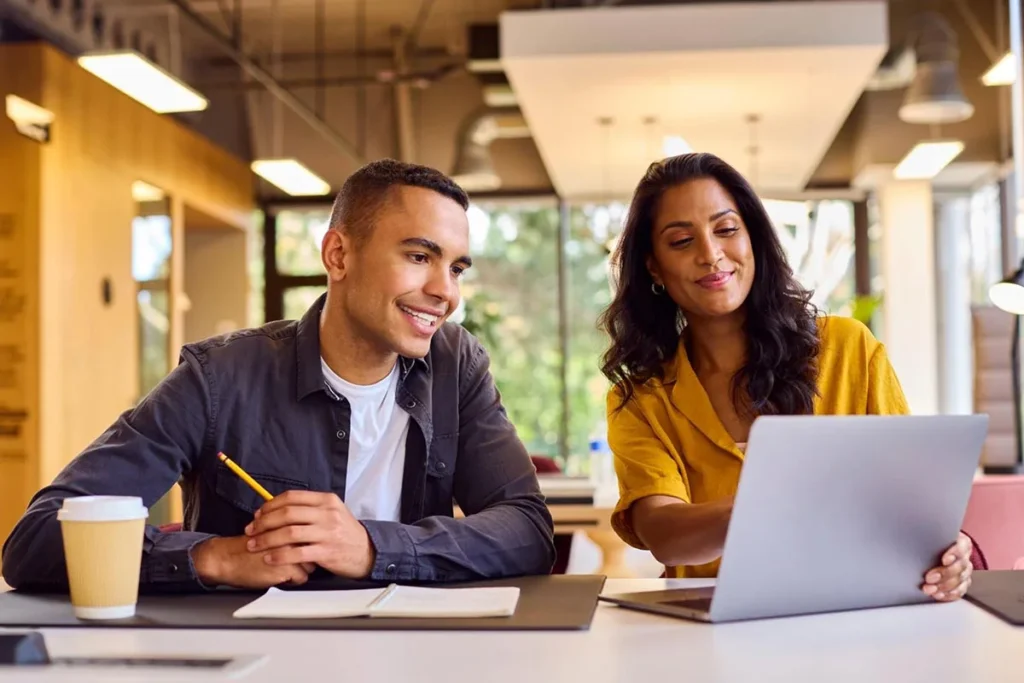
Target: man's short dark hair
{"x": 369, "y": 188}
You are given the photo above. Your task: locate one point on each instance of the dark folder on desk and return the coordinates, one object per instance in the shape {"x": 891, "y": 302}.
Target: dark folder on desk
{"x": 1001, "y": 593}
{"x": 546, "y": 603}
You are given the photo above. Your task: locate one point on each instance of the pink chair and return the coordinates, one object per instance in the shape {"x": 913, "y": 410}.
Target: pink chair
{"x": 995, "y": 519}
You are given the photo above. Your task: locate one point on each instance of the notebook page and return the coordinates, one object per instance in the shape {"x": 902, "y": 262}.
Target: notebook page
{"x": 279, "y": 604}
{"x": 413, "y": 601}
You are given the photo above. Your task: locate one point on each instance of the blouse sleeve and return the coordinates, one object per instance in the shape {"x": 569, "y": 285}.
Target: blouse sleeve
{"x": 643, "y": 465}
{"x": 885, "y": 394}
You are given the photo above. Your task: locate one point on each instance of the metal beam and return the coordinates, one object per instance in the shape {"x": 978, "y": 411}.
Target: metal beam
{"x": 415, "y": 78}
{"x": 272, "y": 85}
{"x": 384, "y": 55}
{"x": 979, "y": 32}
{"x": 405, "y": 147}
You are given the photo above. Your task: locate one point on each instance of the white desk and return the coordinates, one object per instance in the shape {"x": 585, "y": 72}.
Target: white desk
{"x": 930, "y": 643}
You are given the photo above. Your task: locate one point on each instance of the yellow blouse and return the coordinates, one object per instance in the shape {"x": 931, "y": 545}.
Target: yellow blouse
{"x": 669, "y": 441}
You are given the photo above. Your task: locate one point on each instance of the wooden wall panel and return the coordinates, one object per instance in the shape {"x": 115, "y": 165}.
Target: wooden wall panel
{"x": 19, "y": 299}
{"x": 81, "y": 212}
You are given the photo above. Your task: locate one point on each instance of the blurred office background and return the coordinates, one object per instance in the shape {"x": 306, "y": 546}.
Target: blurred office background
{"x": 167, "y": 169}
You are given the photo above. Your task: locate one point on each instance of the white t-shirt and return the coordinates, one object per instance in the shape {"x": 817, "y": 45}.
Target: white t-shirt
{"x": 376, "y": 450}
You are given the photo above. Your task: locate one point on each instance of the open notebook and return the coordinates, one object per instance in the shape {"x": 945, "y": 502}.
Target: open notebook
{"x": 393, "y": 601}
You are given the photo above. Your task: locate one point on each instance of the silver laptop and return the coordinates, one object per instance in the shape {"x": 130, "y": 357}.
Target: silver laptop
{"x": 835, "y": 513}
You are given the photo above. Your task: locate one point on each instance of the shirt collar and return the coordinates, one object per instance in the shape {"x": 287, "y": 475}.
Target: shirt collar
{"x": 309, "y": 373}
{"x": 690, "y": 398}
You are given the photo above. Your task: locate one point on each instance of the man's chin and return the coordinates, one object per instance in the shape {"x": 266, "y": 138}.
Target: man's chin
{"x": 414, "y": 348}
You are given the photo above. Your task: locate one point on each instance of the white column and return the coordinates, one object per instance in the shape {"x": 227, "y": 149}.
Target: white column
{"x": 909, "y": 307}
{"x": 953, "y": 253}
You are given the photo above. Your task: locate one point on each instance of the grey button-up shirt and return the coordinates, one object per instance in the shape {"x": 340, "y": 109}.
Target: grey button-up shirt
{"x": 259, "y": 396}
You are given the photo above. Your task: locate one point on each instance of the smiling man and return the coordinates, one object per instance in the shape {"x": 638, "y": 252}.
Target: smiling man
{"x": 365, "y": 420}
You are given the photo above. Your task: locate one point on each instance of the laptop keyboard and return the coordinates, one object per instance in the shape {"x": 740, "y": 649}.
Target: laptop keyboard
{"x": 700, "y": 604}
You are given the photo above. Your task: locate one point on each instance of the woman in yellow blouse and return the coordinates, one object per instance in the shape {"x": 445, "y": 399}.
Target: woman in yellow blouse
{"x": 710, "y": 329}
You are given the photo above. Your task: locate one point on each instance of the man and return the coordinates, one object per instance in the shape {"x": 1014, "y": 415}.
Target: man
{"x": 365, "y": 420}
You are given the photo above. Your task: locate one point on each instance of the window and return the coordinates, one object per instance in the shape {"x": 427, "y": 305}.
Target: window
{"x": 818, "y": 237}
{"x": 296, "y": 276}
{"x": 152, "y": 244}
{"x": 594, "y": 230}
{"x": 257, "y": 271}
{"x": 546, "y": 366}
{"x": 985, "y": 236}
{"x": 510, "y": 302}
{"x": 151, "y": 269}
{"x": 297, "y": 300}
{"x": 299, "y": 234}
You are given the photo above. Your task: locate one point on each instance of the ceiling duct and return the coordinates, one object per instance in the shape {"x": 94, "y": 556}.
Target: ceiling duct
{"x": 474, "y": 166}
{"x": 896, "y": 70}
{"x": 935, "y": 95}
{"x": 80, "y": 26}
{"x": 483, "y": 60}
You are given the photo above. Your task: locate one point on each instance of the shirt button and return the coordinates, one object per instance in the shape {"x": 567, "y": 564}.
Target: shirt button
{"x": 441, "y": 466}
{"x": 340, "y": 434}
{"x": 174, "y": 568}
{"x": 410, "y": 404}
{"x": 390, "y": 569}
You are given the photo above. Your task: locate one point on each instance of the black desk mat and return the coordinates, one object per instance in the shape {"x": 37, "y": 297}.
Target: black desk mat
{"x": 546, "y": 603}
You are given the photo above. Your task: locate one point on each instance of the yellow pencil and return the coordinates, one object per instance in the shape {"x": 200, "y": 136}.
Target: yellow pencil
{"x": 244, "y": 476}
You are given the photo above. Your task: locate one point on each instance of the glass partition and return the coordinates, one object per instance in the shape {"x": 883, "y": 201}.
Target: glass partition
{"x": 152, "y": 243}
{"x": 151, "y": 270}
{"x": 510, "y": 302}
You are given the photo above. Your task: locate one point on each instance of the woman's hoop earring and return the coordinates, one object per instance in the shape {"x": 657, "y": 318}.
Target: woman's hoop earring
{"x": 657, "y": 289}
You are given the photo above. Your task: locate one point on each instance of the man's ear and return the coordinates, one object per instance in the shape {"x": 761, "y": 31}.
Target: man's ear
{"x": 335, "y": 253}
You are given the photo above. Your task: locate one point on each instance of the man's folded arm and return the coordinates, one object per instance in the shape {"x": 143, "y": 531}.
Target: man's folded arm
{"x": 144, "y": 453}
{"x": 507, "y": 530}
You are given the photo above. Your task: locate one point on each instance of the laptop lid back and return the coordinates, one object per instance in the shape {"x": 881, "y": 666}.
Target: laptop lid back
{"x": 844, "y": 512}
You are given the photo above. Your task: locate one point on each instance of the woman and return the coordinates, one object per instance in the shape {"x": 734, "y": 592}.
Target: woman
{"x": 709, "y": 330}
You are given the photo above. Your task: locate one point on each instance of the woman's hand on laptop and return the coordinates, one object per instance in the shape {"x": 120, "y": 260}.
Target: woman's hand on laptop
{"x": 951, "y": 580}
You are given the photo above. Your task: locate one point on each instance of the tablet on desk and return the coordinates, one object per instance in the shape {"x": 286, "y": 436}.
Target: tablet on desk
{"x": 228, "y": 666}
{"x": 836, "y": 513}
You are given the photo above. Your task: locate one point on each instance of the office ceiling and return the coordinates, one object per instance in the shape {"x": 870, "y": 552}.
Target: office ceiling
{"x": 815, "y": 131}
{"x": 601, "y": 90}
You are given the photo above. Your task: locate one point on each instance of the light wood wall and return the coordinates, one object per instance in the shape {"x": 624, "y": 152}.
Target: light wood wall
{"x": 19, "y": 288}
{"x": 73, "y": 198}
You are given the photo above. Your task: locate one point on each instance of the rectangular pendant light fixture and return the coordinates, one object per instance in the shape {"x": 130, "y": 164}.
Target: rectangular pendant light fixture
{"x": 927, "y": 159}
{"x": 1003, "y": 72}
{"x": 143, "y": 81}
{"x": 291, "y": 177}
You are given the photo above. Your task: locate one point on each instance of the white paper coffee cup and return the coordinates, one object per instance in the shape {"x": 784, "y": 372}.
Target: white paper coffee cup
{"x": 103, "y": 538}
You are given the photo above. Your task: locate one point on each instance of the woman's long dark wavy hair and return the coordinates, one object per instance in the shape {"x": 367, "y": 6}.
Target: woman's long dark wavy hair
{"x": 780, "y": 374}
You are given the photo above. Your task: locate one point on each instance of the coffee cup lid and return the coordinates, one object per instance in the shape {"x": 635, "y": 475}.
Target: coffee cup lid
{"x": 102, "y": 509}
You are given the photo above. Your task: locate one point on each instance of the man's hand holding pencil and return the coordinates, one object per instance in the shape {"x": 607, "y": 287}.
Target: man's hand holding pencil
{"x": 288, "y": 538}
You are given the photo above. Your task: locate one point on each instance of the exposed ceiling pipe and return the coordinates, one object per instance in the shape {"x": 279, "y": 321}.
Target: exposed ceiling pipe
{"x": 418, "y": 79}
{"x": 404, "y": 44}
{"x": 272, "y": 85}
{"x": 405, "y": 147}
{"x": 360, "y": 49}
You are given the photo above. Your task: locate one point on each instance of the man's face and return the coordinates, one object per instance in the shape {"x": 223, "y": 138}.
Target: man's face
{"x": 401, "y": 281}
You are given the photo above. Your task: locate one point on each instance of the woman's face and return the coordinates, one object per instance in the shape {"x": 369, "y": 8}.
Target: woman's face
{"x": 701, "y": 249}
